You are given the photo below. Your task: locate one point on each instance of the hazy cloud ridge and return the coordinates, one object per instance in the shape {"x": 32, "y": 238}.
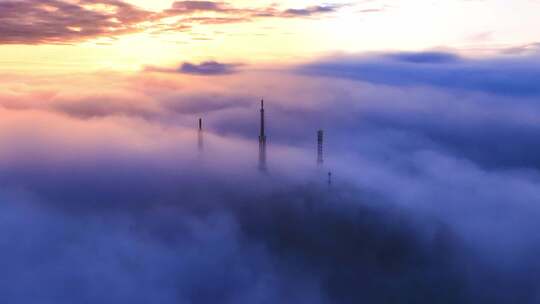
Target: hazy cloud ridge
{"x": 513, "y": 76}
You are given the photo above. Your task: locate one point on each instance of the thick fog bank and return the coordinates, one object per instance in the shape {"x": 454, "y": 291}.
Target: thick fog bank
{"x": 113, "y": 196}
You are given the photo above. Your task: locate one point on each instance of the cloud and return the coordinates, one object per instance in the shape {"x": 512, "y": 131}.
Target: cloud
{"x": 433, "y": 198}
{"x": 56, "y": 21}
{"x": 194, "y": 250}
{"x": 102, "y": 105}
{"x": 425, "y": 57}
{"x": 522, "y": 49}
{"x": 62, "y": 21}
{"x": 189, "y": 6}
{"x": 512, "y": 76}
{"x": 481, "y": 109}
{"x": 310, "y": 11}
{"x": 207, "y": 68}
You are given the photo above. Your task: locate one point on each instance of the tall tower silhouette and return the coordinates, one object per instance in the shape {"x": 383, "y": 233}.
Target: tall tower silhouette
{"x": 329, "y": 178}
{"x": 262, "y": 142}
{"x": 200, "y": 136}
{"x": 320, "y": 138}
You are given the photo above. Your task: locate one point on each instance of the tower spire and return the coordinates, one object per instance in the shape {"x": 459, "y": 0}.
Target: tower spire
{"x": 262, "y": 141}
{"x": 262, "y": 136}
{"x": 320, "y": 138}
{"x": 200, "y": 136}
{"x": 329, "y": 178}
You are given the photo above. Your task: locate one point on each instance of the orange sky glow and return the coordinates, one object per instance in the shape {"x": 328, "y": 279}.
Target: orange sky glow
{"x": 96, "y": 35}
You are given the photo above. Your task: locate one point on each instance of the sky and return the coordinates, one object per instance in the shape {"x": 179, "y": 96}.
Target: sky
{"x": 110, "y": 194}
{"x": 126, "y": 36}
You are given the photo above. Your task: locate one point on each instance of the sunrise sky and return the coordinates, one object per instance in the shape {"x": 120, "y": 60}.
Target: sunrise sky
{"x": 89, "y": 35}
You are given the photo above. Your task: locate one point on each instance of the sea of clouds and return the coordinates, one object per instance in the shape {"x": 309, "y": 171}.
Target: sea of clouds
{"x": 106, "y": 196}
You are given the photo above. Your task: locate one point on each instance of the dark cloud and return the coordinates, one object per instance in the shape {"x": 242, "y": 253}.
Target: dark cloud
{"x": 310, "y": 11}
{"x": 207, "y": 68}
{"x": 512, "y": 76}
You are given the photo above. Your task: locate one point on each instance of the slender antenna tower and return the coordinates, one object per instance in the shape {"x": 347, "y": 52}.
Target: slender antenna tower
{"x": 320, "y": 138}
{"x": 262, "y": 142}
{"x": 329, "y": 179}
{"x": 200, "y": 136}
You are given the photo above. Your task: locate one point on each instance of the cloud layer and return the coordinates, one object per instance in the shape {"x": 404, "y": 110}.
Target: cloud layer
{"x": 204, "y": 68}
{"x": 434, "y": 198}
{"x": 512, "y": 76}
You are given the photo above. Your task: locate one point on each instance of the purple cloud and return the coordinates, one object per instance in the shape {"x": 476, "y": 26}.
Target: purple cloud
{"x": 511, "y": 76}
{"x": 434, "y": 197}
{"x": 207, "y": 68}
{"x": 310, "y": 11}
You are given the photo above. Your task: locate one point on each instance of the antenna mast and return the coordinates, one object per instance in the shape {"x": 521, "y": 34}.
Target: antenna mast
{"x": 262, "y": 142}
{"x": 320, "y": 138}
{"x": 200, "y": 136}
